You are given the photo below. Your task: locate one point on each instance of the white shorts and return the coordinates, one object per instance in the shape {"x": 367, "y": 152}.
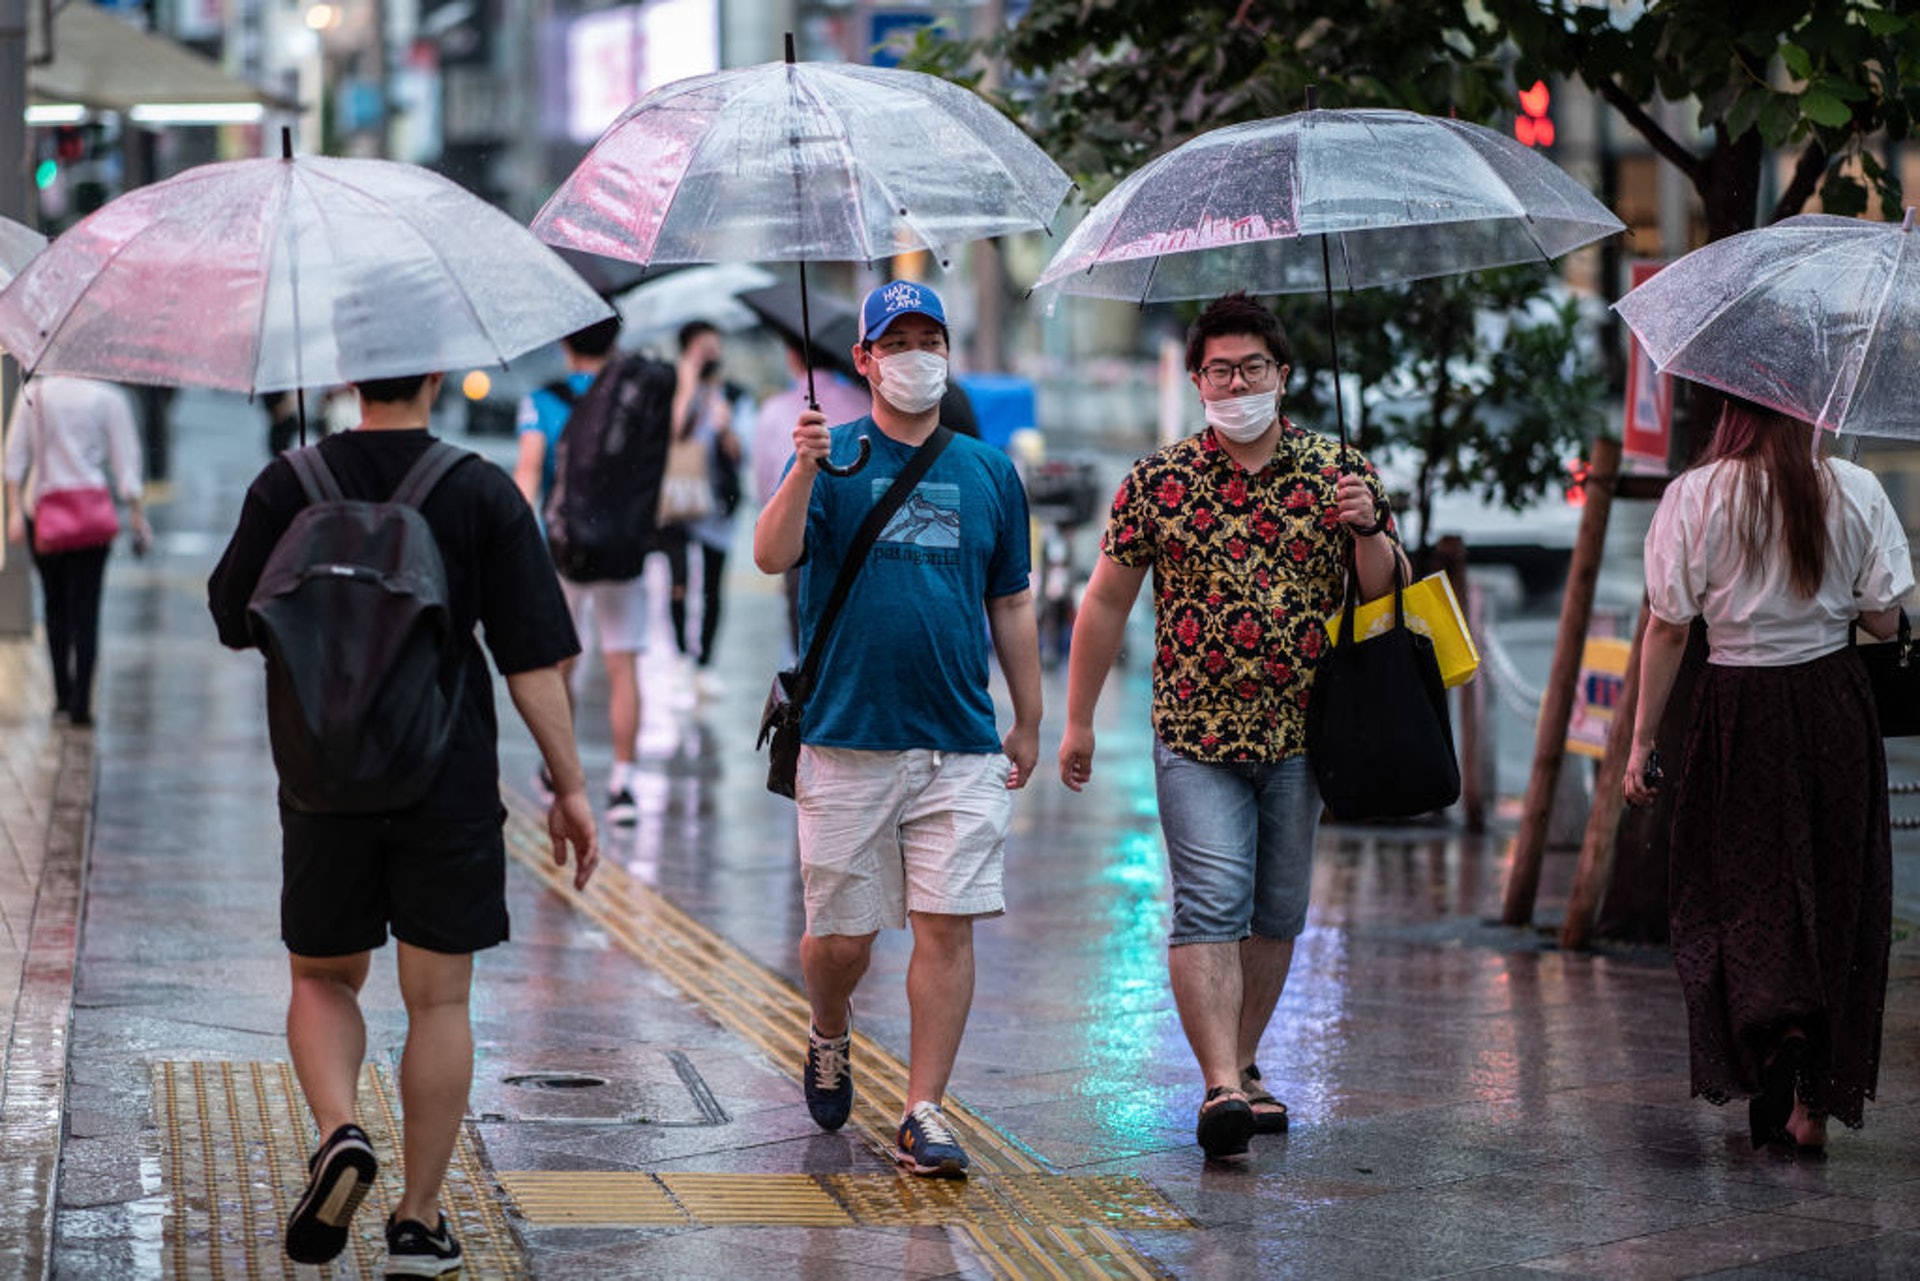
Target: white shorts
{"x": 617, "y": 611}
{"x": 887, "y": 833}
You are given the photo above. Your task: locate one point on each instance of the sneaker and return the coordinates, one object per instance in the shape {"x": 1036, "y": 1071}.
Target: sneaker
{"x": 338, "y": 1176}
{"x": 927, "y": 1147}
{"x": 707, "y": 685}
{"x": 828, "y": 1079}
{"x": 412, "y": 1251}
{"x": 621, "y": 809}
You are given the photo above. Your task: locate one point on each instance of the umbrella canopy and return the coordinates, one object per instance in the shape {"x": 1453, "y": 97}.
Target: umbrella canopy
{"x": 263, "y": 275}
{"x": 1816, "y": 316}
{"x": 669, "y": 300}
{"x": 793, "y": 161}
{"x": 1391, "y": 196}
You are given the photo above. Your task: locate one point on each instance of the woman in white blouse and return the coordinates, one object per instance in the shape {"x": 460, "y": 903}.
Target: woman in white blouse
{"x": 72, "y": 434}
{"x": 1781, "y": 855}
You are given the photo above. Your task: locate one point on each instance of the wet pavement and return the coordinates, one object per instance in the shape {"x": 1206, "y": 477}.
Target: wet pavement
{"x": 1467, "y": 1099}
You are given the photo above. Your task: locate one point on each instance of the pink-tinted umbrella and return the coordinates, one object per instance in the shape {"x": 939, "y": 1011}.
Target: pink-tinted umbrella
{"x": 274, "y": 274}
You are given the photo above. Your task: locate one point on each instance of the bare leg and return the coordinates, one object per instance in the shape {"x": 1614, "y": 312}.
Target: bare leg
{"x": 623, "y": 704}
{"x": 1207, "y": 991}
{"x": 327, "y": 1035}
{"x": 832, "y": 966}
{"x": 1264, "y": 963}
{"x": 436, "y": 1070}
{"x": 939, "y": 996}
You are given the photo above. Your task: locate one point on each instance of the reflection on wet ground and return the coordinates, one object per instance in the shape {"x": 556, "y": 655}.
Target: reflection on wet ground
{"x": 1467, "y": 1099}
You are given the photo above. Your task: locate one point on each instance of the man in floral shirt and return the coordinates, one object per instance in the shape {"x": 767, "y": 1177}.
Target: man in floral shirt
{"x": 1246, "y": 528}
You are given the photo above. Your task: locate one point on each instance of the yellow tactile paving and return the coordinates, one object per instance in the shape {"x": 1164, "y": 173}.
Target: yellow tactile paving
{"x": 1038, "y": 1202}
{"x": 739, "y": 993}
{"x": 234, "y": 1144}
{"x": 1021, "y": 1220}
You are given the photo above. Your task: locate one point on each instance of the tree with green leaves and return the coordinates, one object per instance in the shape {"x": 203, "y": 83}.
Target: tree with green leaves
{"x": 1107, "y": 85}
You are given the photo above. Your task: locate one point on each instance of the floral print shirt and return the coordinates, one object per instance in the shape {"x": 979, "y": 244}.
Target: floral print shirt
{"x": 1247, "y": 568}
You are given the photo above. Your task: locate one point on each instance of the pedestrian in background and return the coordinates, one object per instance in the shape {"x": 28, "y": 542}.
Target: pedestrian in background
{"x": 1781, "y": 881}
{"x": 904, "y": 786}
{"x": 72, "y": 434}
{"x": 616, "y": 609}
{"x": 1245, "y": 528}
{"x": 840, "y": 402}
{"x": 703, "y": 412}
{"x": 434, "y": 874}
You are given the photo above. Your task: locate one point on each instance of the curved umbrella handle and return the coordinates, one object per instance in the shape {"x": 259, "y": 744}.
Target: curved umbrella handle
{"x": 832, "y": 468}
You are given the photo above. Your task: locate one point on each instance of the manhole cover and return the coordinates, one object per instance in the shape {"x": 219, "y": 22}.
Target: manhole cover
{"x": 555, "y": 1080}
{"x": 628, "y": 1086}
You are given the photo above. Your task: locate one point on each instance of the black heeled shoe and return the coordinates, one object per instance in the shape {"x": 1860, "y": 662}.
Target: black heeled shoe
{"x": 1767, "y": 1113}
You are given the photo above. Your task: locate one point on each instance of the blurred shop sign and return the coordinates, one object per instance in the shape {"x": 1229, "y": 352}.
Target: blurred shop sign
{"x": 1647, "y": 434}
{"x": 1603, "y": 676}
{"x": 616, "y": 56}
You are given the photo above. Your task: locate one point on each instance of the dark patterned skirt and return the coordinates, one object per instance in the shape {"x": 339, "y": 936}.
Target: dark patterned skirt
{"x": 1782, "y": 879}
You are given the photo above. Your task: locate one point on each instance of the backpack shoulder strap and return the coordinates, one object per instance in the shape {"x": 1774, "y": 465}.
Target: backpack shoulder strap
{"x": 314, "y": 475}
{"x": 427, "y": 471}
{"x": 561, "y": 390}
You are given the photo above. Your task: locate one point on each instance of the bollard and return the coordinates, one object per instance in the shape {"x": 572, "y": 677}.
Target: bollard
{"x": 1556, "y": 708}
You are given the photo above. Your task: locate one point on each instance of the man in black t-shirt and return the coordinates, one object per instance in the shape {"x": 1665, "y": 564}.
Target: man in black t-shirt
{"x": 434, "y": 874}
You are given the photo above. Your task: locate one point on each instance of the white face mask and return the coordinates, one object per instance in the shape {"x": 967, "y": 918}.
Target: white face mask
{"x": 1242, "y": 419}
{"x": 912, "y": 381}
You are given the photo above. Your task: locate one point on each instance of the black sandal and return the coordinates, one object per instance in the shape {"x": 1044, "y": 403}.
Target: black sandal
{"x": 1767, "y": 1113}
{"x": 1269, "y": 1113}
{"x": 1226, "y": 1123}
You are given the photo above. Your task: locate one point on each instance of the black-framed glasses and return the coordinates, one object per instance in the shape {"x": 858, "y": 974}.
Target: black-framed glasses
{"x": 1255, "y": 369}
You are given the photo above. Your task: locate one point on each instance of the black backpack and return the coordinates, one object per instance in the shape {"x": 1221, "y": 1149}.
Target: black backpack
{"x": 353, "y": 615}
{"x": 607, "y": 469}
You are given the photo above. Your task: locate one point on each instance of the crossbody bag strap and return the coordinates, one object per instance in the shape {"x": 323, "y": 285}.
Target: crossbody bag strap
{"x": 863, "y": 541}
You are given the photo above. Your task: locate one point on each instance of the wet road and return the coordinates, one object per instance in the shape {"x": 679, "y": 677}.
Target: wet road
{"x": 1467, "y": 1100}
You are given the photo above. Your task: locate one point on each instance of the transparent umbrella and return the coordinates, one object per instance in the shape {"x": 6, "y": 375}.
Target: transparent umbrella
{"x": 1324, "y": 199}
{"x": 18, "y": 246}
{"x": 277, "y": 274}
{"x": 799, "y": 162}
{"x": 1817, "y": 316}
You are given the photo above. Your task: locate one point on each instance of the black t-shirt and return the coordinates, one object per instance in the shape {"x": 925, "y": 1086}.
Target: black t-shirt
{"x": 498, "y": 576}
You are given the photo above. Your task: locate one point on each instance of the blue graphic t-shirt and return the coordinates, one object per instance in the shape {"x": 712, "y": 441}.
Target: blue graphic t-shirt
{"x": 907, "y": 666}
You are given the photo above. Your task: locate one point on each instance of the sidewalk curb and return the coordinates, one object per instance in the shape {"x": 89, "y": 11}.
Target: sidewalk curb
{"x": 33, "y": 1093}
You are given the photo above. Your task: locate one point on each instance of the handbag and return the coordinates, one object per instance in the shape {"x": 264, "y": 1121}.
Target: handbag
{"x": 686, "y": 489}
{"x": 1434, "y": 611}
{"x": 70, "y": 520}
{"x": 1379, "y": 736}
{"x": 787, "y": 700}
{"x": 1895, "y": 678}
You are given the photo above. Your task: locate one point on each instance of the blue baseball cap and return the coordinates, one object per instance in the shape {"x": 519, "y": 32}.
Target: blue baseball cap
{"x": 891, "y": 301}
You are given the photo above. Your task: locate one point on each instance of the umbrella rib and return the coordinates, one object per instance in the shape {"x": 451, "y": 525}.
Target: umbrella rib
{"x": 285, "y": 191}
{"x": 399, "y": 215}
{"x": 1873, "y": 330}
{"x": 797, "y": 85}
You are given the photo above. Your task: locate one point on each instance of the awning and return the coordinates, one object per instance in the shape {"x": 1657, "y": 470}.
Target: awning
{"x": 105, "y": 64}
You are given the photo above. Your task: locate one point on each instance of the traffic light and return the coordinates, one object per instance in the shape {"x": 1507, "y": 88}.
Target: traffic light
{"x": 1533, "y": 126}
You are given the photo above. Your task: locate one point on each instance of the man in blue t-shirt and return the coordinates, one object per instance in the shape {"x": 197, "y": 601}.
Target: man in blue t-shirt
{"x": 904, "y": 786}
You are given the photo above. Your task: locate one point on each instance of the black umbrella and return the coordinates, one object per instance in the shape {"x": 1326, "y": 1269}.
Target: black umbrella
{"x": 836, "y": 321}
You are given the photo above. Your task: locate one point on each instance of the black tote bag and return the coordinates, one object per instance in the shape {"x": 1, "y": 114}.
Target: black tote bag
{"x": 1379, "y": 736}
{"x": 1895, "y": 675}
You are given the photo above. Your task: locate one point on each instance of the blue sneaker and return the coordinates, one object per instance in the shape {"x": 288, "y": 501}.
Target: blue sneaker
{"x": 927, "y": 1147}
{"x": 828, "y": 1078}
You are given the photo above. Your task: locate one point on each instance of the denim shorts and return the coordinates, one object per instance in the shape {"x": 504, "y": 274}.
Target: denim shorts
{"x": 1239, "y": 845}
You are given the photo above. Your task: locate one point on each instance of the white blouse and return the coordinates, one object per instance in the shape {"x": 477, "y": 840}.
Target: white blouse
{"x": 73, "y": 433}
{"x": 1754, "y": 618}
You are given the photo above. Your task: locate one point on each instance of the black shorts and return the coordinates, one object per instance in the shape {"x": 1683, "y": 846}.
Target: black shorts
{"x": 440, "y": 884}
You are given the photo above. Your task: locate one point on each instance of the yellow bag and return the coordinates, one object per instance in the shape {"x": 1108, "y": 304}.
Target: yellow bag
{"x": 1434, "y": 612}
